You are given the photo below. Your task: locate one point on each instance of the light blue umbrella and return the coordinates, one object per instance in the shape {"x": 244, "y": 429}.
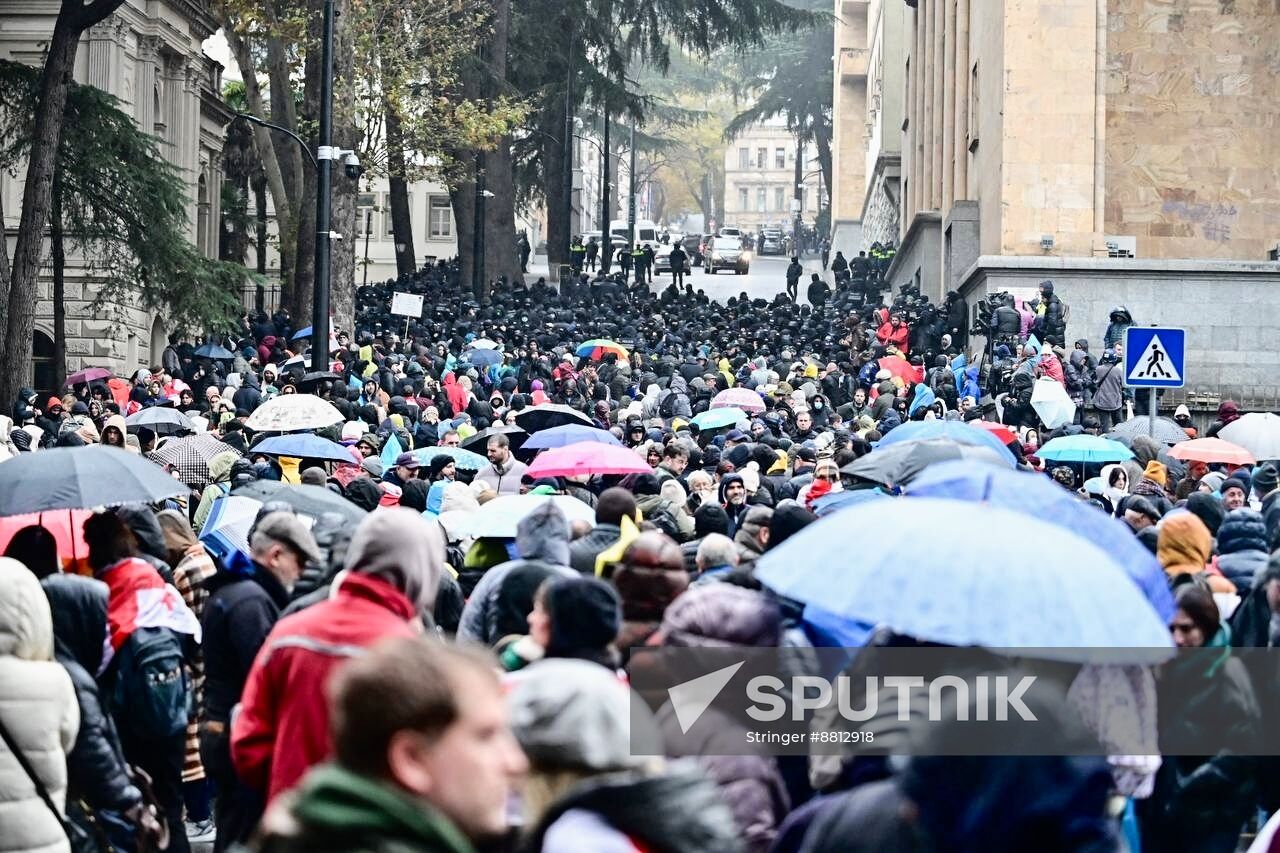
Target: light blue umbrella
{"x": 568, "y": 434}
{"x": 834, "y": 501}
{"x": 957, "y": 431}
{"x": 718, "y": 418}
{"x": 965, "y": 574}
{"x": 1083, "y": 449}
{"x": 464, "y": 459}
{"x": 214, "y": 351}
{"x": 483, "y": 357}
{"x": 304, "y": 445}
{"x": 304, "y": 332}
{"x": 1037, "y": 496}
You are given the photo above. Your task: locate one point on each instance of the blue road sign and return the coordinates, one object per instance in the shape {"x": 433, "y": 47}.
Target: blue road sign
{"x": 1155, "y": 358}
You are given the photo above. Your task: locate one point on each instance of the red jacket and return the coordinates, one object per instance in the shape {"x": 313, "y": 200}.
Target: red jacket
{"x": 281, "y": 728}
{"x": 898, "y": 337}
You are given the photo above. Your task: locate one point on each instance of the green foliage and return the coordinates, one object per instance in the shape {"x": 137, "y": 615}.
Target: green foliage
{"x": 124, "y": 207}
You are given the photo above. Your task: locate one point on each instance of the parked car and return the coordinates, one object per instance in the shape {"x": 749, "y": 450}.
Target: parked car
{"x": 729, "y": 231}
{"x": 662, "y": 260}
{"x": 727, "y": 254}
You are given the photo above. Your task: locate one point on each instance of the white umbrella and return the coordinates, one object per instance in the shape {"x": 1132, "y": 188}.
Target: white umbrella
{"x": 484, "y": 343}
{"x": 1052, "y": 404}
{"x": 1257, "y": 432}
{"x": 290, "y": 412}
{"x": 500, "y": 516}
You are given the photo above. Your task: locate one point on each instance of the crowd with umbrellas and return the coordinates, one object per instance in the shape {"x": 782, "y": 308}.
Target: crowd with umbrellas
{"x": 563, "y": 484}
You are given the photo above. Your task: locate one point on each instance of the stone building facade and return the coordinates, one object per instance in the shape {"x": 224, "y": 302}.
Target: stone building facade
{"x": 1088, "y": 129}
{"x": 148, "y": 55}
{"x": 867, "y": 115}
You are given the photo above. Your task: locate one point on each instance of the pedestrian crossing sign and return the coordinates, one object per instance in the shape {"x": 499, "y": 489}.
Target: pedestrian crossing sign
{"x": 1155, "y": 358}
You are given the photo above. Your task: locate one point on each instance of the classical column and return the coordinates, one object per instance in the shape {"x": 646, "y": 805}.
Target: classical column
{"x": 936, "y": 59}
{"x": 917, "y": 117}
{"x": 949, "y": 150}
{"x": 927, "y": 129}
{"x": 961, "y": 113}
{"x": 103, "y": 60}
{"x": 144, "y": 111}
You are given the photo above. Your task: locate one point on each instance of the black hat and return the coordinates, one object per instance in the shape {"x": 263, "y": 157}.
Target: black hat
{"x": 585, "y": 616}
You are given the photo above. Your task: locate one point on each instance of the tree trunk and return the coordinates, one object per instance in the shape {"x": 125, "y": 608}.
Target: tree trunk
{"x": 260, "y": 209}
{"x": 462, "y": 197}
{"x": 4, "y": 273}
{"x": 342, "y": 282}
{"x": 500, "y": 255}
{"x": 401, "y": 215}
{"x": 37, "y": 196}
{"x": 305, "y": 256}
{"x": 58, "y": 248}
{"x": 823, "y": 141}
{"x": 558, "y": 224}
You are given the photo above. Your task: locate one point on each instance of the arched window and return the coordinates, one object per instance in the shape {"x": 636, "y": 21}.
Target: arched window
{"x": 42, "y": 364}
{"x": 158, "y": 341}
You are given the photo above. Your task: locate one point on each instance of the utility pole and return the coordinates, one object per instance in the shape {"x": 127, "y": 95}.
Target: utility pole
{"x": 325, "y": 155}
{"x": 631, "y": 192}
{"x": 606, "y": 208}
{"x": 368, "y": 228}
{"x": 477, "y": 236}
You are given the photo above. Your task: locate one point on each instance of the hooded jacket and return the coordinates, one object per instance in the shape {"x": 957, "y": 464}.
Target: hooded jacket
{"x": 117, "y": 423}
{"x": 38, "y": 708}
{"x": 394, "y": 564}
{"x": 219, "y": 485}
{"x": 1242, "y": 547}
{"x": 96, "y": 767}
{"x": 735, "y": 513}
{"x": 1184, "y": 547}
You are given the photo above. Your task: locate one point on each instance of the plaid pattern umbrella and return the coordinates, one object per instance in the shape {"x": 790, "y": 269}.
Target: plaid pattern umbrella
{"x": 190, "y": 456}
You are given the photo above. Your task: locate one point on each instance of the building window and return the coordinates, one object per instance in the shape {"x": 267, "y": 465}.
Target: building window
{"x": 440, "y": 219}
{"x": 762, "y": 199}
{"x": 744, "y": 158}
{"x": 779, "y": 158}
{"x": 974, "y": 102}
{"x": 762, "y": 157}
{"x": 779, "y": 198}
{"x": 42, "y": 366}
{"x": 366, "y": 214}
{"x": 743, "y": 197}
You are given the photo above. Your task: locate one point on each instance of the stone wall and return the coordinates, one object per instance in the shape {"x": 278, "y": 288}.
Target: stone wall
{"x": 919, "y": 257}
{"x": 880, "y": 215}
{"x": 1193, "y": 153}
{"x": 1229, "y": 309}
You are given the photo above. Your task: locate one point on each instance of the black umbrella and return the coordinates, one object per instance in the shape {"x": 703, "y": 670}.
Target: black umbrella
{"x": 899, "y": 464}
{"x": 550, "y": 415}
{"x": 215, "y": 351}
{"x": 314, "y": 501}
{"x": 310, "y": 381}
{"x": 81, "y": 478}
{"x": 514, "y": 434}
{"x": 161, "y": 420}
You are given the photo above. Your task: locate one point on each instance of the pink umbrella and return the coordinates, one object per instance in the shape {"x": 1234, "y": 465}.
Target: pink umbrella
{"x": 742, "y": 398}
{"x": 587, "y": 457}
{"x": 1211, "y": 450}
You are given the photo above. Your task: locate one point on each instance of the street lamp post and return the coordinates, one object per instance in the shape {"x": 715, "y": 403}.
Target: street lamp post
{"x": 325, "y": 155}
{"x": 631, "y": 193}
{"x": 606, "y": 210}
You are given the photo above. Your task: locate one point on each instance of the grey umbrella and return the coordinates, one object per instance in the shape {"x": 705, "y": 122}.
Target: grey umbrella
{"x": 515, "y": 435}
{"x": 899, "y": 464}
{"x": 308, "y": 500}
{"x": 161, "y": 420}
{"x": 1166, "y": 431}
{"x": 81, "y": 478}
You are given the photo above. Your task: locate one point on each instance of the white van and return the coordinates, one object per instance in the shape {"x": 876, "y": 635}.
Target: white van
{"x": 646, "y": 231}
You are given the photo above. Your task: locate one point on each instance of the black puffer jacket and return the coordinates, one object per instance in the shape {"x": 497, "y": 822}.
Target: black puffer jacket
{"x": 1242, "y": 546}
{"x": 95, "y": 767}
{"x": 1055, "y": 322}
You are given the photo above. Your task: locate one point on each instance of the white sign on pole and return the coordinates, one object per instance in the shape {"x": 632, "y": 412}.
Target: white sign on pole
{"x": 406, "y": 304}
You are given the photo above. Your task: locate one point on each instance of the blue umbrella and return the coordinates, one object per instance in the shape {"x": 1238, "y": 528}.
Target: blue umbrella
{"x": 1084, "y": 449}
{"x": 568, "y": 434}
{"x": 464, "y": 459}
{"x": 957, "y": 431}
{"x": 483, "y": 357}
{"x": 718, "y": 418}
{"x": 1038, "y": 496}
{"x": 964, "y": 574}
{"x": 304, "y": 445}
{"x": 833, "y": 501}
{"x": 215, "y": 351}
{"x": 301, "y": 333}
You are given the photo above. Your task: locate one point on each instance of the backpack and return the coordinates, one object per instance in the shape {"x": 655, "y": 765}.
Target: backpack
{"x": 667, "y": 405}
{"x": 151, "y": 695}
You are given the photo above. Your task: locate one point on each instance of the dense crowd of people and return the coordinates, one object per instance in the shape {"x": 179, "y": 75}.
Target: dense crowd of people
{"x": 375, "y": 669}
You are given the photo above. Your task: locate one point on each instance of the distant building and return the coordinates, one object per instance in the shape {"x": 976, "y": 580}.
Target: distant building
{"x": 760, "y": 179}
{"x": 148, "y": 55}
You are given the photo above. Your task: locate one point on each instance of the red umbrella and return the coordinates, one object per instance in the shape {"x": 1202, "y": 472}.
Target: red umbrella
{"x": 587, "y": 457}
{"x": 66, "y": 525}
{"x": 1000, "y": 431}
{"x": 1210, "y": 450}
{"x": 900, "y": 367}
